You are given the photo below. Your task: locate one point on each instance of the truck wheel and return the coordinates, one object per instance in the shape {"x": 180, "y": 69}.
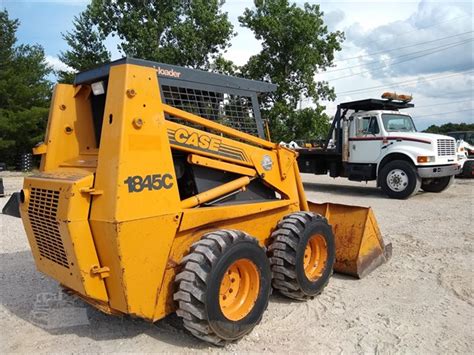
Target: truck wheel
{"x": 468, "y": 169}
{"x": 302, "y": 255}
{"x": 438, "y": 184}
{"x": 399, "y": 179}
{"x": 224, "y": 286}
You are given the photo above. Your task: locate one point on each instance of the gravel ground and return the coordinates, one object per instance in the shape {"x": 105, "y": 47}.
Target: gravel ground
{"x": 420, "y": 302}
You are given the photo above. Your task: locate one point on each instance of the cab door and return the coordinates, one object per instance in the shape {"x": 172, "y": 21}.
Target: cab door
{"x": 365, "y": 140}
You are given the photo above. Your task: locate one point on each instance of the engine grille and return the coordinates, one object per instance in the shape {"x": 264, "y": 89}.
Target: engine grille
{"x": 446, "y": 147}
{"x": 42, "y": 210}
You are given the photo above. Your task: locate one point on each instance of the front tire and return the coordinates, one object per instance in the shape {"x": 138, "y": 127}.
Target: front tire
{"x": 224, "y": 286}
{"x": 438, "y": 184}
{"x": 399, "y": 179}
{"x": 302, "y": 255}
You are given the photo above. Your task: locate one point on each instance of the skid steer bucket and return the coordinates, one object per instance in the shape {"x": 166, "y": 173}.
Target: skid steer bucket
{"x": 359, "y": 244}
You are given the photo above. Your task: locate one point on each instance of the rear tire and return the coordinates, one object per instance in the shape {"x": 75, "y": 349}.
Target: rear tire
{"x": 438, "y": 184}
{"x": 467, "y": 169}
{"x": 302, "y": 255}
{"x": 399, "y": 179}
{"x": 224, "y": 286}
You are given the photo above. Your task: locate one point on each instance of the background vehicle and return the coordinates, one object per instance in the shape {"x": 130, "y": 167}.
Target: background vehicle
{"x": 465, "y": 151}
{"x": 146, "y": 205}
{"x": 378, "y": 142}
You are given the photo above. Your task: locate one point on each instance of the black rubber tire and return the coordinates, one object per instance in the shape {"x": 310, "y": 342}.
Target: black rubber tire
{"x": 286, "y": 253}
{"x": 467, "y": 170}
{"x": 414, "y": 181}
{"x": 198, "y": 283}
{"x": 438, "y": 184}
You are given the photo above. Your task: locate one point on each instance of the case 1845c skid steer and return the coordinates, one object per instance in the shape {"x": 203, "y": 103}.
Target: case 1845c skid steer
{"x": 158, "y": 193}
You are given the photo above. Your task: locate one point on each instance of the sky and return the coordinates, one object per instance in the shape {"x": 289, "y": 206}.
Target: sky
{"x": 424, "y": 48}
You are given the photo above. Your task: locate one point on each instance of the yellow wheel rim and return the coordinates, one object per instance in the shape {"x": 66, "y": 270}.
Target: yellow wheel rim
{"x": 315, "y": 257}
{"x": 239, "y": 289}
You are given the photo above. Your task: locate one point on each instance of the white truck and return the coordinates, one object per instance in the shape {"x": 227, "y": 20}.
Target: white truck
{"x": 373, "y": 140}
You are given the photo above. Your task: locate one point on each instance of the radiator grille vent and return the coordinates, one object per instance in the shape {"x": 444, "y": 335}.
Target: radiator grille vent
{"x": 42, "y": 210}
{"x": 446, "y": 147}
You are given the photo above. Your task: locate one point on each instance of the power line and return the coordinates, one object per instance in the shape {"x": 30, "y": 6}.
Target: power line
{"x": 400, "y": 56}
{"x": 437, "y": 24}
{"x": 450, "y": 93}
{"x": 444, "y": 113}
{"x": 441, "y": 103}
{"x": 395, "y": 49}
{"x": 440, "y": 49}
{"x": 423, "y": 28}
{"x": 428, "y": 78}
{"x": 428, "y": 98}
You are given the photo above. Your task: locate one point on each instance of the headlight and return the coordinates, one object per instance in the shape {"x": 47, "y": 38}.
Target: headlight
{"x": 425, "y": 159}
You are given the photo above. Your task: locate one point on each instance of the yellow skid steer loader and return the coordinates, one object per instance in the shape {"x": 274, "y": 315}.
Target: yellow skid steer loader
{"x": 158, "y": 193}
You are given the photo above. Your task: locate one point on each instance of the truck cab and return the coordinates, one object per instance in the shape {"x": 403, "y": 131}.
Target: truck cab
{"x": 375, "y": 141}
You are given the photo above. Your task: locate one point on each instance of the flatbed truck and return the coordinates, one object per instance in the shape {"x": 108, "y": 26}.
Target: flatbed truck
{"x": 371, "y": 140}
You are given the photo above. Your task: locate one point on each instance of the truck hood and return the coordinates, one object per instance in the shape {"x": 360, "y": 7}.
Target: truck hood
{"x": 429, "y": 137}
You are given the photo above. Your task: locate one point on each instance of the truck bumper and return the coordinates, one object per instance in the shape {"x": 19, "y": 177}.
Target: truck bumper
{"x": 438, "y": 171}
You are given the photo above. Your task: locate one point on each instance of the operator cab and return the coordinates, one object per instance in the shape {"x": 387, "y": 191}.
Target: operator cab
{"x": 221, "y": 98}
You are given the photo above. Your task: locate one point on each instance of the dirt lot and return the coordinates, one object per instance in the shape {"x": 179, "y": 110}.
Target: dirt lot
{"x": 420, "y": 302}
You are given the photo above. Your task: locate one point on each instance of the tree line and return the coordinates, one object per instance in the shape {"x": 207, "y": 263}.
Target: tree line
{"x": 450, "y": 127}
{"x": 296, "y": 45}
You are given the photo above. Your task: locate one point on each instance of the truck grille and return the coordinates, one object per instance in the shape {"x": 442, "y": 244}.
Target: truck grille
{"x": 446, "y": 147}
{"x": 42, "y": 210}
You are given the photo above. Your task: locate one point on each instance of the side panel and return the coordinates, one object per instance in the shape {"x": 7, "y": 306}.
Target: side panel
{"x": 134, "y": 219}
{"x": 134, "y": 143}
{"x": 70, "y": 129}
{"x": 144, "y": 246}
{"x": 55, "y": 216}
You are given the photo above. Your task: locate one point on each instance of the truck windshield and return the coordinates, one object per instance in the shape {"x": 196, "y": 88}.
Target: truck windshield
{"x": 398, "y": 123}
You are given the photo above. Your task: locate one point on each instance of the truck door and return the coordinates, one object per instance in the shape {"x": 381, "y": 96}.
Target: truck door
{"x": 365, "y": 140}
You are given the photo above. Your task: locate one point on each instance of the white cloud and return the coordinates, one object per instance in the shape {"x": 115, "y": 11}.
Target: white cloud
{"x": 431, "y": 22}
{"x": 56, "y": 64}
{"x": 333, "y": 18}
{"x": 439, "y": 81}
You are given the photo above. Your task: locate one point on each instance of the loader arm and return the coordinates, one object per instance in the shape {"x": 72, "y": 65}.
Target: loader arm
{"x": 360, "y": 246}
{"x": 244, "y": 150}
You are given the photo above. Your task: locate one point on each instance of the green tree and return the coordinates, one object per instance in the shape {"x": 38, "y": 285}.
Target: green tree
{"x": 24, "y": 92}
{"x": 86, "y": 47}
{"x": 190, "y": 33}
{"x": 296, "y": 45}
{"x": 450, "y": 127}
